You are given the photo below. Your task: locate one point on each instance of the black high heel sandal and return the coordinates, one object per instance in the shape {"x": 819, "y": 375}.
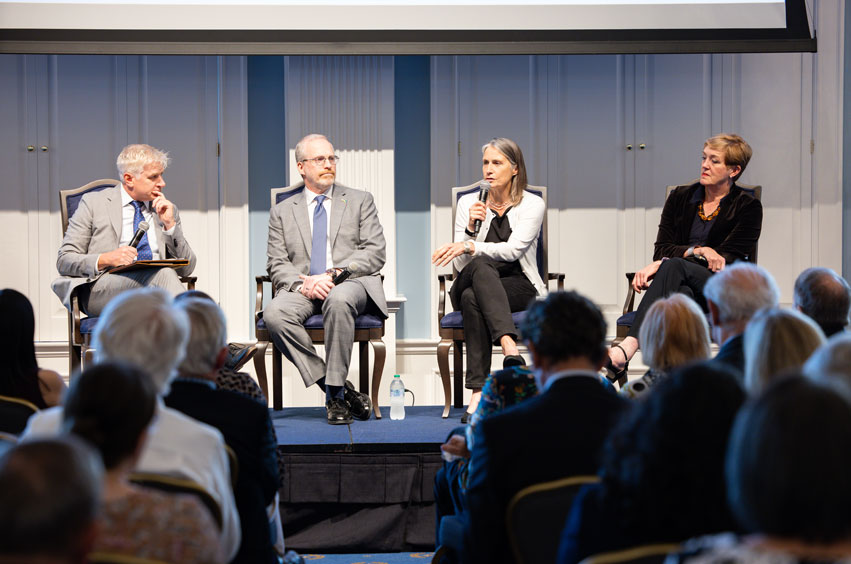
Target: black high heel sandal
{"x": 619, "y": 376}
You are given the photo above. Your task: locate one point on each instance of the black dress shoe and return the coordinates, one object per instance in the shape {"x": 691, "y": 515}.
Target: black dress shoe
{"x": 360, "y": 406}
{"x": 338, "y": 412}
{"x": 513, "y": 360}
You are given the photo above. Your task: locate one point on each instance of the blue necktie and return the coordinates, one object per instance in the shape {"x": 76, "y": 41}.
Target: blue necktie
{"x": 320, "y": 237}
{"x": 143, "y": 248}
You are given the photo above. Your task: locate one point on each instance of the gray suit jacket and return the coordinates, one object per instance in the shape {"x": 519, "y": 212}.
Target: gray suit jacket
{"x": 95, "y": 228}
{"x": 357, "y": 241}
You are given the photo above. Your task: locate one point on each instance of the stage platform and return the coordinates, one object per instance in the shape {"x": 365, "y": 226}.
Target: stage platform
{"x": 364, "y": 487}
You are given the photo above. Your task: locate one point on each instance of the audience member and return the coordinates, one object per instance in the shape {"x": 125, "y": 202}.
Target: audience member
{"x": 776, "y": 341}
{"x": 674, "y": 333}
{"x": 733, "y": 296}
{"x": 557, "y": 433}
{"x": 662, "y": 476}
{"x": 502, "y": 389}
{"x": 111, "y": 405}
{"x": 143, "y": 327}
{"x": 50, "y": 490}
{"x": 824, "y": 296}
{"x": 831, "y": 361}
{"x": 245, "y": 424}
{"x": 788, "y": 484}
{"x": 20, "y": 376}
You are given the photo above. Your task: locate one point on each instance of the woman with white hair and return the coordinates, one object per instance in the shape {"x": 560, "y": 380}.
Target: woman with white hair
{"x": 776, "y": 341}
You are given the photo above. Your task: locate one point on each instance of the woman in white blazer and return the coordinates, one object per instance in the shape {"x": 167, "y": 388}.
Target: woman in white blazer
{"x": 497, "y": 264}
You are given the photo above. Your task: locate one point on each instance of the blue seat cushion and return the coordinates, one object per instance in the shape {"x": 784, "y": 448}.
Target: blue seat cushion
{"x": 365, "y": 321}
{"x": 626, "y": 320}
{"x": 454, "y": 320}
{"x": 87, "y": 325}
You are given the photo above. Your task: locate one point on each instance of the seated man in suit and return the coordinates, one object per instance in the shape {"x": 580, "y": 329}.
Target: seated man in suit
{"x": 144, "y": 328}
{"x": 556, "y": 434}
{"x": 733, "y": 296}
{"x": 50, "y": 491}
{"x": 244, "y": 423}
{"x": 825, "y": 297}
{"x": 319, "y": 230}
{"x": 100, "y": 231}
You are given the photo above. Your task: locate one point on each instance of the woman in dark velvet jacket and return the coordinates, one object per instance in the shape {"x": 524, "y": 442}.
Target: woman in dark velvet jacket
{"x": 704, "y": 227}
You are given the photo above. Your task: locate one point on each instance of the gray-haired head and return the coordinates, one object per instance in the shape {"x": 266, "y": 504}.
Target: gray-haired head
{"x": 207, "y": 336}
{"x": 299, "y": 147}
{"x": 824, "y": 296}
{"x": 144, "y": 328}
{"x": 51, "y": 491}
{"x": 134, "y": 158}
{"x": 832, "y": 361}
{"x": 741, "y": 290}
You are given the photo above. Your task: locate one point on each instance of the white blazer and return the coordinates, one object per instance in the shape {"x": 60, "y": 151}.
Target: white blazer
{"x": 525, "y": 219}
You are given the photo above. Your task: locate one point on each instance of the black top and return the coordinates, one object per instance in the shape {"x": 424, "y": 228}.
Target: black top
{"x": 500, "y": 231}
{"x": 733, "y": 233}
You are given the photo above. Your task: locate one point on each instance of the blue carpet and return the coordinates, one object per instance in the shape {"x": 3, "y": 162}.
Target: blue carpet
{"x": 386, "y": 558}
{"x": 303, "y": 429}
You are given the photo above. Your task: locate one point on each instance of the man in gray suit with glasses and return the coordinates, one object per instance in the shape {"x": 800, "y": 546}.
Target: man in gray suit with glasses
{"x": 319, "y": 230}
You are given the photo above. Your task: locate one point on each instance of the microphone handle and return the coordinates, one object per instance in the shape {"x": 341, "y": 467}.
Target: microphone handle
{"x": 483, "y": 197}
{"x": 137, "y": 238}
{"x": 341, "y": 277}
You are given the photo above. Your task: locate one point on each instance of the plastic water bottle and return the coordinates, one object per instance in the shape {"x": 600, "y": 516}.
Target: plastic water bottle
{"x": 397, "y": 398}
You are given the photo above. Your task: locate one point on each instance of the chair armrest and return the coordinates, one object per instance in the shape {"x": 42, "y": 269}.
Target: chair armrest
{"x": 559, "y": 277}
{"x": 629, "y": 303}
{"x": 189, "y": 281}
{"x": 442, "y": 279}
{"x": 258, "y": 301}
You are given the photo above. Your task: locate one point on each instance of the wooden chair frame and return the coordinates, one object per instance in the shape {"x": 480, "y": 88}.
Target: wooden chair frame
{"x": 571, "y": 482}
{"x": 453, "y": 338}
{"x": 79, "y": 344}
{"x": 363, "y": 337}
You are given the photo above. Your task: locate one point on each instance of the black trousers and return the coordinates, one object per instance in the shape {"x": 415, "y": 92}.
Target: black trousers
{"x": 674, "y": 275}
{"x": 487, "y": 298}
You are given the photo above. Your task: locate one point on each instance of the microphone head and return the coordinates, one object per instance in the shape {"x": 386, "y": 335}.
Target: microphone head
{"x": 143, "y": 225}
{"x": 353, "y": 267}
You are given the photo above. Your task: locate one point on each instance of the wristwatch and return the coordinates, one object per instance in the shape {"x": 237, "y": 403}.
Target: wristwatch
{"x": 468, "y": 247}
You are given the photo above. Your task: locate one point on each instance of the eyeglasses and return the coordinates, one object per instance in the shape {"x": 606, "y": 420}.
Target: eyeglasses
{"x": 320, "y": 161}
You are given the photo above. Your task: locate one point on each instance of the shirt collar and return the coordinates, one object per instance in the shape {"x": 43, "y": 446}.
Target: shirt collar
{"x": 127, "y": 200}
{"x": 569, "y": 374}
{"x": 310, "y": 196}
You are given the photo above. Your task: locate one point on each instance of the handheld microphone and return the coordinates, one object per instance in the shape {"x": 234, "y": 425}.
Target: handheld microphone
{"x": 345, "y": 273}
{"x": 485, "y": 188}
{"x": 140, "y": 232}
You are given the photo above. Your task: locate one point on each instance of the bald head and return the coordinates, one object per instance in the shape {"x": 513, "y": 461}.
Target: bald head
{"x": 824, "y": 296}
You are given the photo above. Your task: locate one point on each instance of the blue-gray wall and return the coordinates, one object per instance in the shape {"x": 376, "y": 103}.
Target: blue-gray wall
{"x": 412, "y": 164}
{"x": 267, "y": 152}
{"x": 268, "y": 167}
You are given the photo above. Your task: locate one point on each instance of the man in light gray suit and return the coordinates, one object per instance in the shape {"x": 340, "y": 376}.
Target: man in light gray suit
{"x": 315, "y": 233}
{"x": 101, "y": 229}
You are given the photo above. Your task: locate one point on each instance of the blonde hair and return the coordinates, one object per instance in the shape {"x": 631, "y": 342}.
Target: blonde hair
{"x": 736, "y": 150}
{"x": 674, "y": 332}
{"x": 512, "y": 152}
{"x": 777, "y": 340}
{"x": 134, "y": 158}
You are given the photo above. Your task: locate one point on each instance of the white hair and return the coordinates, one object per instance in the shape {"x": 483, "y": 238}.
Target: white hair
{"x": 134, "y": 158}
{"x": 832, "y": 361}
{"x": 144, "y": 328}
{"x": 299, "y": 147}
{"x": 741, "y": 290}
{"x": 207, "y": 335}
{"x": 777, "y": 341}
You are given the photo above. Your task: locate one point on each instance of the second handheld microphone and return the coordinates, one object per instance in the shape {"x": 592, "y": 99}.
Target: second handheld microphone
{"x": 484, "y": 189}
